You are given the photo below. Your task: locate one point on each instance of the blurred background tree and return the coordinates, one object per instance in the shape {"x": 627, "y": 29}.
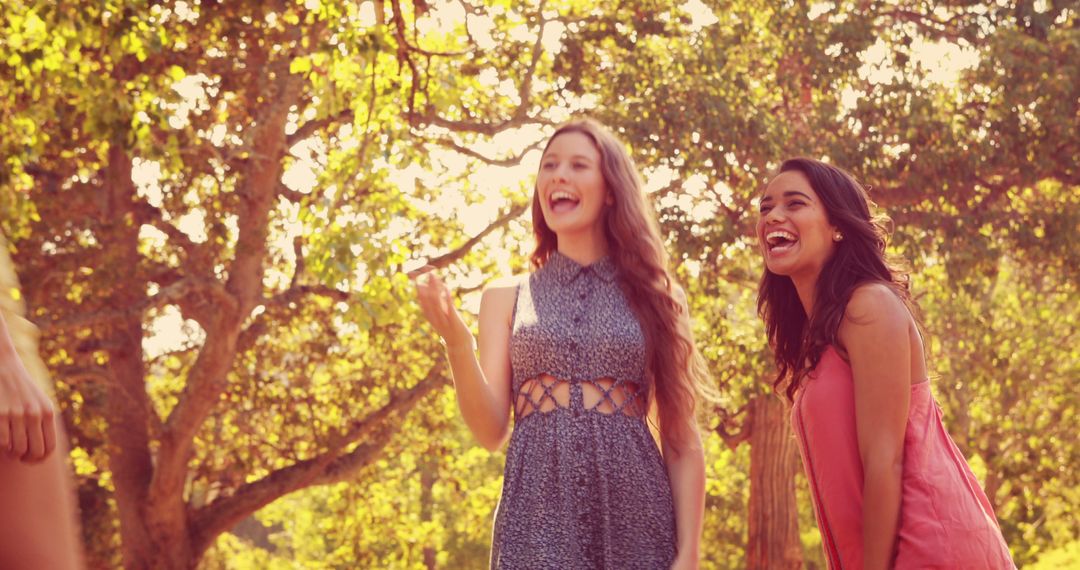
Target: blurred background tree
{"x": 212, "y": 204}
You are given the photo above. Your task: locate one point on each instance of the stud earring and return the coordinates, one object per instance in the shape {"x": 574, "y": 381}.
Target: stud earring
{"x": 838, "y": 236}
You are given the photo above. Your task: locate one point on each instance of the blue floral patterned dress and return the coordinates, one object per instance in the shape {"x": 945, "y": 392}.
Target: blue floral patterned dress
{"x": 585, "y": 485}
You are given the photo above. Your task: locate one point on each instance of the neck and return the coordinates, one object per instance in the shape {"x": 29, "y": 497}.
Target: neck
{"x": 584, "y": 247}
{"x": 806, "y": 287}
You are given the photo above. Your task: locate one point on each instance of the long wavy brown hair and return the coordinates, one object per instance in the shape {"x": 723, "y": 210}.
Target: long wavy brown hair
{"x": 675, "y": 372}
{"x": 796, "y": 340}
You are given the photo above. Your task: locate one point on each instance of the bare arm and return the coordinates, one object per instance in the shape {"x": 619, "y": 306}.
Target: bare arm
{"x": 27, "y": 416}
{"x": 875, "y": 334}
{"x": 482, "y": 386}
{"x": 687, "y": 473}
{"x": 686, "y": 470}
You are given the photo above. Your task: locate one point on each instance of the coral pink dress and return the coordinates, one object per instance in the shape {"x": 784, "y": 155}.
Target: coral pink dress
{"x": 945, "y": 518}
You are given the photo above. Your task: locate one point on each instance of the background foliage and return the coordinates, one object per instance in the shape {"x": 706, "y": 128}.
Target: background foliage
{"x": 211, "y": 205}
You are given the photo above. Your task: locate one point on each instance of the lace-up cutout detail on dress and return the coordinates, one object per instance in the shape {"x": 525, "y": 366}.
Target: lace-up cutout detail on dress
{"x": 584, "y": 486}
{"x": 602, "y": 395}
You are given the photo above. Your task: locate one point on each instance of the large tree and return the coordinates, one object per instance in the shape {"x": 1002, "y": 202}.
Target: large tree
{"x": 146, "y": 147}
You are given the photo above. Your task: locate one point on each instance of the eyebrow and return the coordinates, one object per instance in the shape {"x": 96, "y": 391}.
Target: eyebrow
{"x": 572, "y": 157}
{"x": 788, "y": 194}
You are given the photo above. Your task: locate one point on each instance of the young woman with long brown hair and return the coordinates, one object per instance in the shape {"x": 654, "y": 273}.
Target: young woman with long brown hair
{"x": 889, "y": 486}
{"x": 582, "y": 349}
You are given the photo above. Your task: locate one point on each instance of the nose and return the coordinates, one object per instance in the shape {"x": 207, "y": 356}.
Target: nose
{"x": 773, "y": 216}
{"x": 560, "y": 172}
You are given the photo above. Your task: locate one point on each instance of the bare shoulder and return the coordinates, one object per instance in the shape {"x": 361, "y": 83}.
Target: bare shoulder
{"x": 499, "y": 295}
{"x": 502, "y": 285}
{"x": 875, "y": 301}
{"x": 679, "y": 293}
{"x": 874, "y": 306}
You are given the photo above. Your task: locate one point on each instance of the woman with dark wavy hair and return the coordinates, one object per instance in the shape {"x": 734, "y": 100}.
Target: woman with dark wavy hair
{"x": 583, "y": 349}
{"x": 889, "y": 486}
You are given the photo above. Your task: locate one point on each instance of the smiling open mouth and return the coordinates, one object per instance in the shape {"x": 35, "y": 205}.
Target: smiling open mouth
{"x": 780, "y": 240}
{"x": 562, "y": 201}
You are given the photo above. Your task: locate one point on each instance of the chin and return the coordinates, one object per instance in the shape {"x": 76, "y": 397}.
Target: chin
{"x": 781, "y": 269}
{"x": 572, "y": 225}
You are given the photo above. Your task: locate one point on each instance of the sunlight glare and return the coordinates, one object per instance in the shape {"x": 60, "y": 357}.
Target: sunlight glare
{"x": 700, "y": 14}
{"x": 169, "y": 331}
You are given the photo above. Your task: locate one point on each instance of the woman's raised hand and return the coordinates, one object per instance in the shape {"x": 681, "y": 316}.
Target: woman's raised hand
{"x": 438, "y": 307}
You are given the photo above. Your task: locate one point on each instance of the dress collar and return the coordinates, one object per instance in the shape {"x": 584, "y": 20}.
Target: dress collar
{"x": 566, "y": 270}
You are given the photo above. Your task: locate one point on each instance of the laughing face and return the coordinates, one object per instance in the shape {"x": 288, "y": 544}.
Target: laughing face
{"x": 570, "y": 184}
{"x": 793, "y": 228}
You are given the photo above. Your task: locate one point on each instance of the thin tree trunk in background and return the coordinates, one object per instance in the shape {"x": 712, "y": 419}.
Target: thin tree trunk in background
{"x": 428, "y": 475}
{"x": 773, "y": 538}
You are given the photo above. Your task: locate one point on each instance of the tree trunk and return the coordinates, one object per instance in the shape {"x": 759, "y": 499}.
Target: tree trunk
{"x": 127, "y": 402}
{"x": 428, "y": 475}
{"x": 773, "y": 541}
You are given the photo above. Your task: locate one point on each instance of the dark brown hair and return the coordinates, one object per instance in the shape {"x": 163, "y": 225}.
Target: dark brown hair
{"x": 675, "y": 373}
{"x": 798, "y": 342}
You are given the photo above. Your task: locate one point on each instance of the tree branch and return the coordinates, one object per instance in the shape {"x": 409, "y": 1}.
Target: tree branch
{"x": 148, "y": 214}
{"x": 452, "y": 256}
{"x": 290, "y": 194}
{"x": 513, "y": 160}
{"x": 732, "y": 440}
{"x": 227, "y": 511}
{"x": 927, "y": 23}
{"x": 520, "y": 115}
{"x": 295, "y": 293}
{"x": 257, "y": 327}
{"x": 256, "y": 191}
{"x": 517, "y": 120}
{"x": 311, "y": 127}
{"x": 525, "y": 91}
{"x": 368, "y": 451}
{"x": 403, "y": 55}
{"x": 178, "y": 293}
{"x": 298, "y": 253}
{"x": 80, "y": 374}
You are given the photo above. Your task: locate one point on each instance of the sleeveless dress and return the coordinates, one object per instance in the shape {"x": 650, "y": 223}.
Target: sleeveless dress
{"x": 946, "y": 520}
{"x": 585, "y": 486}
